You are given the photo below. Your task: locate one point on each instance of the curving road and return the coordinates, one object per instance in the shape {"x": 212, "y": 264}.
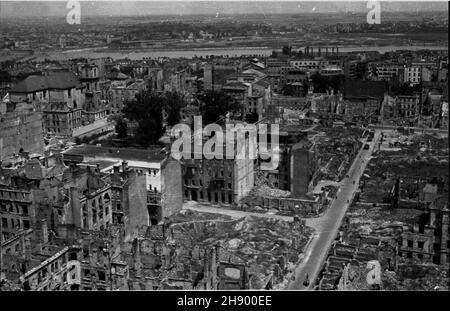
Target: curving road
{"x": 327, "y": 226}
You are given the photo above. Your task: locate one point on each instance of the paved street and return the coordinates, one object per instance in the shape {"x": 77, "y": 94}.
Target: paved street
{"x": 327, "y": 226}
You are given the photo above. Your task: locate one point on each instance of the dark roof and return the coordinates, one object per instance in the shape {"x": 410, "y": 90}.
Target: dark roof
{"x": 30, "y": 84}
{"x": 57, "y": 80}
{"x": 151, "y": 155}
{"x": 364, "y": 89}
{"x": 115, "y": 75}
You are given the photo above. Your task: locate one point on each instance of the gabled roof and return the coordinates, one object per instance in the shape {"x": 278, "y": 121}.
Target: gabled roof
{"x": 30, "y": 84}
{"x": 57, "y": 80}
{"x": 255, "y": 72}
{"x": 117, "y": 76}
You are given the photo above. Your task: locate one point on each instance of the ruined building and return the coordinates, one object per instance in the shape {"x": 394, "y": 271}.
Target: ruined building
{"x": 59, "y": 96}
{"x": 153, "y": 190}
{"x": 428, "y": 240}
{"x": 21, "y": 129}
{"x": 224, "y": 181}
{"x": 298, "y": 167}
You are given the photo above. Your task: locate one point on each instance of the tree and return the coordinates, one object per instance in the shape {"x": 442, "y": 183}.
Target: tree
{"x": 286, "y": 50}
{"x": 324, "y": 83}
{"x": 146, "y": 110}
{"x": 121, "y": 128}
{"x": 291, "y": 90}
{"x": 405, "y": 89}
{"x": 173, "y": 103}
{"x": 216, "y": 105}
{"x": 148, "y": 132}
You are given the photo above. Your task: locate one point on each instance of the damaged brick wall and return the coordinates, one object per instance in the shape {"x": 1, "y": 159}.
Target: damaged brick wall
{"x": 172, "y": 192}
{"x": 21, "y": 131}
{"x": 135, "y": 205}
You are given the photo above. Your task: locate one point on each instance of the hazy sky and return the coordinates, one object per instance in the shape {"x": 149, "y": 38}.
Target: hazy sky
{"x": 92, "y": 8}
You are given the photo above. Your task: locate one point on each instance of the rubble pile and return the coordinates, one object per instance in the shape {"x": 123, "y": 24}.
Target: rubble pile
{"x": 263, "y": 187}
{"x": 419, "y": 277}
{"x": 260, "y": 243}
{"x": 379, "y": 221}
{"x": 186, "y": 215}
{"x": 179, "y": 253}
{"x": 336, "y": 148}
{"x": 266, "y": 191}
{"x": 253, "y": 201}
{"x": 344, "y": 265}
{"x": 425, "y": 155}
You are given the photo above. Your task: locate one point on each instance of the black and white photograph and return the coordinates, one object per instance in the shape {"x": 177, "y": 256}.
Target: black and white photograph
{"x": 240, "y": 147}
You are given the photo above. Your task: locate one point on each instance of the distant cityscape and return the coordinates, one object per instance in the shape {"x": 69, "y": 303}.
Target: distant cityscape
{"x": 92, "y": 198}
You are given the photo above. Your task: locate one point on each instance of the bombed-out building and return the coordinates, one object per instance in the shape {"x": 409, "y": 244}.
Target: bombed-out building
{"x": 21, "y": 129}
{"x": 156, "y": 178}
{"x": 224, "y": 180}
{"x": 298, "y": 167}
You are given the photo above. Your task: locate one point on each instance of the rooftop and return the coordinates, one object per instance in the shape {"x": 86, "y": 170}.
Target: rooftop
{"x": 149, "y": 155}
{"x": 59, "y": 80}
{"x": 117, "y": 76}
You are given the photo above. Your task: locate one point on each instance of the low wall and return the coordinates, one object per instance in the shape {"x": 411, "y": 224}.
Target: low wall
{"x": 96, "y": 127}
{"x": 296, "y": 206}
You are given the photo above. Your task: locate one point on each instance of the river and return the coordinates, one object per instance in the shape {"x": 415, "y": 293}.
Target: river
{"x": 189, "y": 53}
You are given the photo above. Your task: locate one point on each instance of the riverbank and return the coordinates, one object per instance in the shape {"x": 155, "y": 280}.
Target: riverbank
{"x": 138, "y": 54}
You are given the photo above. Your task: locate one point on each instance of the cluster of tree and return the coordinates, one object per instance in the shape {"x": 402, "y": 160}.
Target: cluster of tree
{"x": 214, "y": 106}
{"x": 323, "y": 83}
{"x": 291, "y": 90}
{"x": 405, "y": 88}
{"x": 151, "y": 112}
{"x": 5, "y": 76}
{"x": 121, "y": 128}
